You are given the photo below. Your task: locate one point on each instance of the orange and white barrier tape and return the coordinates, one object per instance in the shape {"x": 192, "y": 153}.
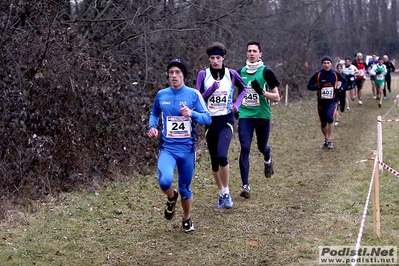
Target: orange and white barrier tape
{"x": 390, "y": 169}
{"x": 361, "y": 229}
{"x": 387, "y": 120}
{"x": 365, "y": 160}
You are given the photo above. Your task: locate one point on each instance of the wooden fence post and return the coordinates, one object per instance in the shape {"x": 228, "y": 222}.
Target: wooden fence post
{"x": 376, "y": 201}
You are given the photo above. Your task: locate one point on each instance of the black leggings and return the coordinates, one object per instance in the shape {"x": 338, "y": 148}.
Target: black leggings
{"x": 387, "y": 84}
{"x": 218, "y": 138}
{"x": 246, "y": 128}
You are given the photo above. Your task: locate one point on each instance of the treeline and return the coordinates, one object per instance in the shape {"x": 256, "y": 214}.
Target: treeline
{"x": 77, "y": 78}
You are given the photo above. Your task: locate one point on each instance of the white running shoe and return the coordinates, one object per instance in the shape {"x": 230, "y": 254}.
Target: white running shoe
{"x": 360, "y": 102}
{"x": 245, "y": 192}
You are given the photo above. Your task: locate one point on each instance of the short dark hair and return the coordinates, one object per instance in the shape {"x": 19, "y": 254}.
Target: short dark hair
{"x": 254, "y": 43}
{"x": 348, "y": 58}
{"x": 216, "y": 46}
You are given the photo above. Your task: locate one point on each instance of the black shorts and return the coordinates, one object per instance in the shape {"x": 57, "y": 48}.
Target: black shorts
{"x": 359, "y": 83}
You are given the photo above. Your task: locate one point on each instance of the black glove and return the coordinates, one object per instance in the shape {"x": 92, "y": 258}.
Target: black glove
{"x": 378, "y": 72}
{"x": 255, "y": 85}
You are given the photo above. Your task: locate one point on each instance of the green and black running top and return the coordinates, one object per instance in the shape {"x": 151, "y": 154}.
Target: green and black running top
{"x": 255, "y": 105}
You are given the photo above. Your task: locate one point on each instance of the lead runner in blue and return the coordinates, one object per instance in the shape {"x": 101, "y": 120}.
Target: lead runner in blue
{"x": 325, "y": 82}
{"x": 180, "y": 108}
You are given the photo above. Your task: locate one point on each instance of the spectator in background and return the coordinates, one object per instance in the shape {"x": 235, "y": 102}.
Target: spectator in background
{"x": 379, "y": 71}
{"x": 390, "y": 69}
{"x": 179, "y": 107}
{"x": 255, "y": 112}
{"x": 370, "y": 65}
{"x": 341, "y": 61}
{"x": 360, "y": 78}
{"x": 325, "y": 82}
{"x": 216, "y": 84}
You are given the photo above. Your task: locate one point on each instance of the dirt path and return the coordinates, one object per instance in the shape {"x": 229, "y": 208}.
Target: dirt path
{"x": 312, "y": 200}
{"x": 316, "y": 197}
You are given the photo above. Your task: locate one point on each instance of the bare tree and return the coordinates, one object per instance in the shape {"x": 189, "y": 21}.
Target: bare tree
{"x": 77, "y": 78}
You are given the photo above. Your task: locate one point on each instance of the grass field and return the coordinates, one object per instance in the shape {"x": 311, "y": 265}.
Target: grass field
{"x": 316, "y": 197}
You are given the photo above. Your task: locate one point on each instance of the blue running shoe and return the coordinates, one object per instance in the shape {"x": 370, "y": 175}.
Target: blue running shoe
{"x": 228, "y": 201}
{"x": 220, "y": 202}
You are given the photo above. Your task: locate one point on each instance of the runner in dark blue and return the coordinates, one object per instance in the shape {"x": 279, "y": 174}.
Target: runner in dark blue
{"x": 325, "y": 82}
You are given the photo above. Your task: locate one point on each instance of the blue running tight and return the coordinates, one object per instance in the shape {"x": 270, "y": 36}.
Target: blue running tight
{"x": 185, "y": 163}
{"x": 246, "y": 128}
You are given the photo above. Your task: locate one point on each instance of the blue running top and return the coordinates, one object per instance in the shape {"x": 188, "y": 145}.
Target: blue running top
{"x": 179, "y": 133}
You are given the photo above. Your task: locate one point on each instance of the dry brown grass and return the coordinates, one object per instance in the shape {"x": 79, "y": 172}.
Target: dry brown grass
{"x": 316, "y": 197}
